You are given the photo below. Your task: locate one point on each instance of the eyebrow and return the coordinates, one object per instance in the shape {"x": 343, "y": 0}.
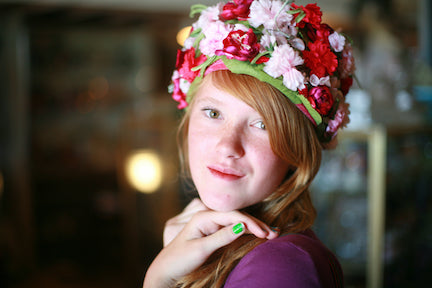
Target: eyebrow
{"x": 213, "y": 100}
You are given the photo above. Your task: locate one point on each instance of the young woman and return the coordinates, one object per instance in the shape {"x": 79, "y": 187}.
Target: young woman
{"x": 264, "y": 83}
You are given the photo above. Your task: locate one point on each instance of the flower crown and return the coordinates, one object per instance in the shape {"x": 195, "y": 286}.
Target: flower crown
{"x": 279, "y": 43}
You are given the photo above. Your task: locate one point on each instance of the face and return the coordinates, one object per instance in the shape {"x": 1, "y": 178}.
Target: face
{"x": 230, "y": 158}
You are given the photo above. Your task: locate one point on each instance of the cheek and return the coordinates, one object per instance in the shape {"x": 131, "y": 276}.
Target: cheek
{"x": 272, "y": 168}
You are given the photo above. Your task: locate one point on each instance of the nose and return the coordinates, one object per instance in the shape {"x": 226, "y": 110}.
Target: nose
{"x": 230, "y": 143}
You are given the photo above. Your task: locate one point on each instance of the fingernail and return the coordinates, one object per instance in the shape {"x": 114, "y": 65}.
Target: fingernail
{"x": 238, "y": 228}
{"x": 275, "y": 229}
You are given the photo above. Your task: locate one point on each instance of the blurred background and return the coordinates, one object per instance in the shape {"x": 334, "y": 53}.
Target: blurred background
{"x": 88, "y": 160}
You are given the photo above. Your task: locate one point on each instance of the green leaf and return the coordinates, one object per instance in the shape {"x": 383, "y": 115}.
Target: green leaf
{"x": 196, "y": 9}
{"x": 254, "y": 70}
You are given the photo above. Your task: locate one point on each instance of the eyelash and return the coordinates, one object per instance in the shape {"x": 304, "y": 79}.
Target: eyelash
{"x": 260, "y": 125}
{"x": 208, "y": 112}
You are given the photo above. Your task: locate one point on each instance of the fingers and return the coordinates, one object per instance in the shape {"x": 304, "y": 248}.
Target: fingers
{"x": 208, "y": 222}
{"x": 174, "y": 225}
{"x": 222, "y": 237}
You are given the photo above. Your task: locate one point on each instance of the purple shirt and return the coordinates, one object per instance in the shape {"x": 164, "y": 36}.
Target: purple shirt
{"x": 293, "y": 260}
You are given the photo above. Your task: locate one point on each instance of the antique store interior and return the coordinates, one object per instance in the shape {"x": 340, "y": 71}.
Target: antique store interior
{"x": 89, "y": 168}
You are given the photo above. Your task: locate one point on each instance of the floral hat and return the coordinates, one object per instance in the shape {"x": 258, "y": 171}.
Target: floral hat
{"x": 277, "y": 42}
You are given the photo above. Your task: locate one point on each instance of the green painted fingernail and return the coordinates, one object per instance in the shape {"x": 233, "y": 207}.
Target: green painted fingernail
{"x": 238, "y": 228}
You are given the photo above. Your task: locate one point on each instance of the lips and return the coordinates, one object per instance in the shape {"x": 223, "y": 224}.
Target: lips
{"x": 225, "y": 173}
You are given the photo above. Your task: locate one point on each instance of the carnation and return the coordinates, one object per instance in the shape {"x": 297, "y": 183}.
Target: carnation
{"x": 263, "y": 12}
{"x": 312, "y": 15}
{"x": 209, "y": 15}
{"x": 282, "y": 63}
{"x": 320, "y": 59}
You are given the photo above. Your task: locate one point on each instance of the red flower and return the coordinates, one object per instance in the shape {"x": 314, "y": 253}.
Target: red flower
{"x": 320, "y": 59}
{"x": 186, "y": 61}
{"x": 237, "y": 10}
{"x": 312, "y": 15}
{"x": 240, "y": 45}
{"x": 346, "y": 84}
{"x": 319, "y": 34}
{"x": 321, "y": 99}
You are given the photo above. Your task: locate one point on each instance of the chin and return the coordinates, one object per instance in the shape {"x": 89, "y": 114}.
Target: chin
{"x": 220, "y": 206}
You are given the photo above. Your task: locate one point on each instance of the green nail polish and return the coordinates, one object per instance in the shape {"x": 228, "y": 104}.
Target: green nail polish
{"x": 238, "y": 228}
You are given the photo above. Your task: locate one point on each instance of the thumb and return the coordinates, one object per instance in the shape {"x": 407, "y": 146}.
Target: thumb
{"x": 223, "y": 237}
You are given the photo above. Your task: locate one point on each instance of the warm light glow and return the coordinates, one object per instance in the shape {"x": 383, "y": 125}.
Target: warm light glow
{"x": 144, "y": 170}
{"x": 183, "y": 34}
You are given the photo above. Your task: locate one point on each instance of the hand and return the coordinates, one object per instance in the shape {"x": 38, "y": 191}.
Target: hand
{"x": 205, "y": 232}
{"x": 174, "y": 225}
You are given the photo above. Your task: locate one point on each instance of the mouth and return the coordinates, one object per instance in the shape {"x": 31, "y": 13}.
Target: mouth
{"x": 225, "y": 173}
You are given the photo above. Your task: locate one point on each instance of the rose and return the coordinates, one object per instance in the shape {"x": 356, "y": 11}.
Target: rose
{"x": 320, "y": 59}
{"x": 240, "y": 45}
{"x": 239, "y": 9}
{"x": 321, "y": 99}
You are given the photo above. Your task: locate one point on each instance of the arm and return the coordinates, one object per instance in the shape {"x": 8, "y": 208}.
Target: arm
{"x": 275, "y": 264}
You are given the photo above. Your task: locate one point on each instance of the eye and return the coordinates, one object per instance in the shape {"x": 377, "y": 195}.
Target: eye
{"x": 260, "y": 125}
{"x": 212, "y": 113}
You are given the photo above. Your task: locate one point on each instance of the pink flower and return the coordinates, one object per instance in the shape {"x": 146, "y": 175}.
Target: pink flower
{"x": 340, "y": 120}
{"x": 239, "y": 9}
{"x": 321, "y": 99}
{"x": 209, "y": 15}
{"x": 263, "y": 12}
{"x": 186, "y": 61}
{"x": 240, "y": 45}
{"x": 312, "y": 15}
{"x": 337, "y": 41}
{"x": 178, "y": 94}
{"x": 215, "y": 33}
{"x": 283, "y": 62}
{"x": 347, "y": 64}
{"x": 320, "y": 59}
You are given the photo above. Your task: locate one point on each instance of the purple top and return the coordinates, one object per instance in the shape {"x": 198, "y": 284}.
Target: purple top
{"x": 293, "y": 260}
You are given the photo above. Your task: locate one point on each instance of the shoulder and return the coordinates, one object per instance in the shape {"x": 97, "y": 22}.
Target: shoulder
{"x": 298, "y": 259}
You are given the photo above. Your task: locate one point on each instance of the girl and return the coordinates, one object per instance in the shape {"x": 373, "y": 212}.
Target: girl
{"x": 264, "y": 83}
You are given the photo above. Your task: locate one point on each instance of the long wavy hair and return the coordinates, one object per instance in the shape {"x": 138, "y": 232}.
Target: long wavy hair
{"x": 293, "y": 139}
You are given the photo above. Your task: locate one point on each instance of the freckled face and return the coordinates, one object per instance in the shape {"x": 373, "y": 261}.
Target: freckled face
{"x": 230, "y": 158}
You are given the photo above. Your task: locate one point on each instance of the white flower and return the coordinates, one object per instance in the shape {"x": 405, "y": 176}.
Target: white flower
{"x": 264, "y": 12}
{"x": 297, "y": 43}
{"x": 188, "y": 43}
{"x": 184, "y": 85}
{"x": 337, "y": 41}
{"x": 214, "y": 34}
{"x": 241, "y": 27}
{"x": 283, "y": 61}
{"x": 315, "y": 81}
